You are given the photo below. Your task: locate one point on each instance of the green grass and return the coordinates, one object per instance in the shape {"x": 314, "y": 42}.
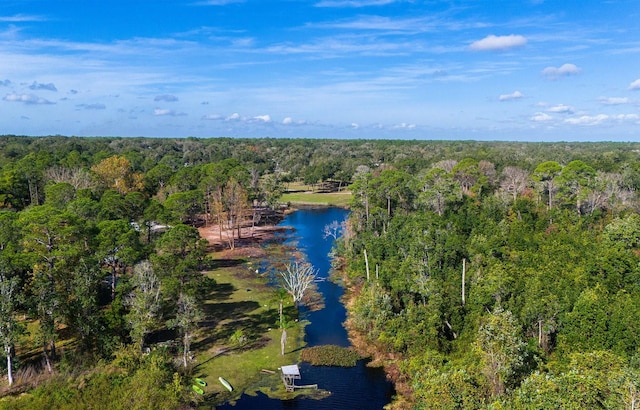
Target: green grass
{"x": 312, "y": 198}
{"x": 242, "y": 304}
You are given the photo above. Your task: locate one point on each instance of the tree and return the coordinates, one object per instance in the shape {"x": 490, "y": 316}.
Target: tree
{"x": 272, "y": 189}
{"x": 500, "y": 343}
{"x": 468, "y": 175}
{"x": 576, "y": 180}
{"x": 79, "y": 178}
{"x": 360, "y": 202}
{"x": 545, "y": 175}
{"x": 297, "y": 278}
{"x": 82, "y": 312}
{"x": 514, "y": 181}
{"x": 54, "y": 241}
{"x": 183, "y": 207}
{"x": 116, "y": 173}
{"x": 118, "y": 247}
{"x": 31, "y": 167}
{"x": 143, "y": 302}
{"x": 596, "y": 379}
{"x": 186, "y": 321}
{"x": 59, "y": 195}
{"x": 10, "y": 328}
{"x": 180, "y": 255}
{"x": 333, "y": 229}
{"x": 157, "y": 178}
{"x": 235, "y": 199}
{"x": 438, "y": 190}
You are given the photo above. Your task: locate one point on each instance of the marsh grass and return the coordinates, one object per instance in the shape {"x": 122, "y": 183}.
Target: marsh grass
{"x": 330, "y": 355}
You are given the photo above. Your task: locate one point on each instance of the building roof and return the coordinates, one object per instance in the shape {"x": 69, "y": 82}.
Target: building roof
{"x": 291, "y": 370}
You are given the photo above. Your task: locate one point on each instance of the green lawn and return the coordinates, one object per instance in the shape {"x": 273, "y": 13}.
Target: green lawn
{"x": 242, "y": 303}
{"x": 313, "y": 198}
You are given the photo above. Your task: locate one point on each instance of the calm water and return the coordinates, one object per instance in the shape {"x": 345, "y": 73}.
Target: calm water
{"x": 359, "y": 387}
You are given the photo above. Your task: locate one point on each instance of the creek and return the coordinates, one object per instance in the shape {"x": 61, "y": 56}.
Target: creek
{"x": 358, "y": 387}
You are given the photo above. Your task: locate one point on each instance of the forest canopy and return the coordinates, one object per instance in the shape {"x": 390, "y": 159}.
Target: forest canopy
{"x": 486, "y": 273}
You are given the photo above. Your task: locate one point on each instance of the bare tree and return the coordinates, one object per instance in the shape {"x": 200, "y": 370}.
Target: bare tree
{"x": 79, "y": 178}
{"x": 186, "y": 322}
{"x": 446, "y": 164}
{"x": 333, "y": 230}
{"x": 514, "y": 181}
{"x": 143, "y": 302}
{"x": 235, "y": 198}
{"x": 10, "y": 329}
{"x": 297, "y": 278}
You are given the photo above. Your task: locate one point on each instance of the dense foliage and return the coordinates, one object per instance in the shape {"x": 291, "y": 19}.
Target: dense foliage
{"x": 501, "y": 274}
{"x": 514, "y": 286}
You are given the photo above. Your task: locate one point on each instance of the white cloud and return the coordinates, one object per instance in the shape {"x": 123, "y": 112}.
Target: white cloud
{"x": 614, "y": 100}
{"x": 587, "y": 120}
{"x": 353, "y": 3}
{"x": 541, "y": 117}
{"x": 263, "y": 118}
{"x": 291, "y": 121}
{"x": 404, "y": 126}
{"x": 355, "y": 126}
{"x": 626, "y": 117}
{"x": 233, "y": 117}
{"x": 564, "y": 70}
{"x": 20, "y": 18}
{"x": 498, "y": 43}
{"x": 29, "y": 99}
{"x": 166, "y": 98}
{"x": 516, "y": 95}
{"x": 635, "y": 85}
{"x": 561, "y": 109}
{"x": 162, "y": 112}
{"x": 592, "y": 120}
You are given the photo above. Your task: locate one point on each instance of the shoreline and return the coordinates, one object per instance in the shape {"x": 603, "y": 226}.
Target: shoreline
{"x": 379, "y": 358}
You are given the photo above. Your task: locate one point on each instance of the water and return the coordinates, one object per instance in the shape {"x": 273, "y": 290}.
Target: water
{"x": 358, "y": 387}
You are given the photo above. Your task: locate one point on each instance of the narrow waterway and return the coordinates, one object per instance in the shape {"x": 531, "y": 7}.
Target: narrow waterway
{"x": 358, "y": 387}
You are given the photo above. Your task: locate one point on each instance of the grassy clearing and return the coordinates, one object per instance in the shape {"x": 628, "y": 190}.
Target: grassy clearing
{"x": 317, "y": 198}
{"x": 241, "y": 335}
{"x": 301, "y": 194}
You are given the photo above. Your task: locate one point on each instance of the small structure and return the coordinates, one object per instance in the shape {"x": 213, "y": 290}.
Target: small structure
{"x": 290, "y": 374}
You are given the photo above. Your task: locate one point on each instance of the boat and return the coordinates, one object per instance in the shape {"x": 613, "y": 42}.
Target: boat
{"x": 225, "y": 383}
{"x": 201, "y": 382}
{"x": 197, "y": 389}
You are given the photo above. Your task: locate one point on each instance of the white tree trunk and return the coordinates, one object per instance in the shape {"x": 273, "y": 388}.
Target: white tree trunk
{"x": 464, "y": 267}
{"x": 9, "y": 369}
{"x": 366, "y": 262}
{"x": 283, "y": 340}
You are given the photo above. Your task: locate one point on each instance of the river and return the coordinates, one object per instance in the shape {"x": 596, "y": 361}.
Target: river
{"x": 358, "y": 387}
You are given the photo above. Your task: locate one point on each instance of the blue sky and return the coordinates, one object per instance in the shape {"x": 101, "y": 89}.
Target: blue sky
{"x": 531, "y": 70}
